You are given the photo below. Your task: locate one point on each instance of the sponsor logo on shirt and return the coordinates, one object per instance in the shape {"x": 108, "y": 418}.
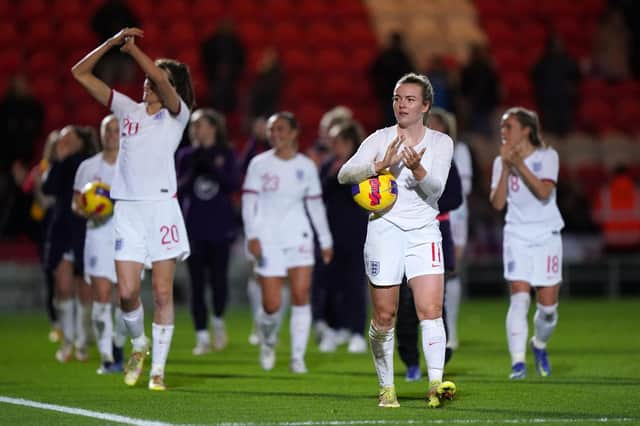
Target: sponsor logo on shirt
{"x": 119, "y": 244}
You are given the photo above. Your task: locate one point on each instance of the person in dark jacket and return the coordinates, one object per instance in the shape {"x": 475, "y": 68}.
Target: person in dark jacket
{"x": 407, "y": 320}
{"x": 64, "y": 244}
{"x": 339, "y": 290}
{"x": 208, "y": 174}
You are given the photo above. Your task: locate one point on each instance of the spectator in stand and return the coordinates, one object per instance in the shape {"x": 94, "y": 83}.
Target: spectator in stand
{"x": 223, "y": 56}
{"x": 339, "y": 288}
{"x": 617, "y": 210}
{"x": 21, "y": 119}
{"x": 207, "y": 176}
{"x": 612, "y": 47}
{"x": 114, "y": 67}
{"x": 391, "y": 63}
{"x": 442, "y": 81}
{"x": 480, "y": 91}
{"x": 264, "y": 96}
{"x": 555, "y": 80}
{"x": 64, "y": 248}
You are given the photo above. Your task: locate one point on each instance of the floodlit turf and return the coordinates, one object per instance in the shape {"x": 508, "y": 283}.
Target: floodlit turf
{"x": 595, "y": 356}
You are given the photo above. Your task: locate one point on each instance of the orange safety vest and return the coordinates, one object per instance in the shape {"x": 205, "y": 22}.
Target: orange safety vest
{"x": 617, "y": 209}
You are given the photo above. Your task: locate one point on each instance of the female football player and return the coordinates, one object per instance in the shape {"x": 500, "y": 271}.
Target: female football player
{"x": 278, "y": 185}
{"x": 149, "y": 228}
{"x": 99, "y": 251}
{"x": 524, "y": 179}
{"x": 406, "y": 240}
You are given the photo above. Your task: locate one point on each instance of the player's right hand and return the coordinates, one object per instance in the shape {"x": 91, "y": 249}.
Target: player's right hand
{"x": 254, "y": 247}
{"x": 126, "y": 35}
{"x": 392, "y": 155}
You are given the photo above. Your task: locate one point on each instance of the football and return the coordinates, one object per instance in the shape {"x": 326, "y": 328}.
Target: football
{"x": 96, "y": 201}
{"x": 377, "y": 193}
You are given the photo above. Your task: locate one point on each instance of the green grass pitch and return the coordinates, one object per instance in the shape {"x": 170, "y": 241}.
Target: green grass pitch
{"x": 595, "y": 356}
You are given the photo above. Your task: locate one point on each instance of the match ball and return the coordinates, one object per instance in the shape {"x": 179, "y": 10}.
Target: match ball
{"x": 96, "y": 200}
{"x": 377, "y": 193}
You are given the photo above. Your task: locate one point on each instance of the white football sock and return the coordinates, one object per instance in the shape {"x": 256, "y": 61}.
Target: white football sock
{"x": 203, "y": 338}
{"x": 544, "y": 322}
{"x": 517, "y": 327}
{"x": 103, "y": 326}
{"x": 254, "y": 293}
{"x": 268, "y": 325}
{"x": 134, "y": 321}
{"x": 382, "y": 346}
{"x": 120, "y": 329}
{"x": 83, "y": 324}
{"x": 65, "y": 316}
{"x": 161, "y": 339}
{"x": 453, "y": 294}
{"x": 434, "y": 342}
{"x": 300, "y": 325}
{"x": 285, "y": 301}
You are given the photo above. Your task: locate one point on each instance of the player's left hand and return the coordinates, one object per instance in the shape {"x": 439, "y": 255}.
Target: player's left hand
{"x": 327, "y": 255}
{"x": 411, "y": 158}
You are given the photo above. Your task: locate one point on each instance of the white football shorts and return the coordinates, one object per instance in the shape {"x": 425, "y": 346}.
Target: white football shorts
{"x": 99, "y": 252}
{"x": 276, "y": 260}
{"x": 150, "y": 231}
{"x": 391, "y": 253}
{"x": 537, "y": 263}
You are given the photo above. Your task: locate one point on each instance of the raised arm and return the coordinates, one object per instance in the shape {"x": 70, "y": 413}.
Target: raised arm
{"x": 160, "y": 78}
{"x": 83, "y": 70}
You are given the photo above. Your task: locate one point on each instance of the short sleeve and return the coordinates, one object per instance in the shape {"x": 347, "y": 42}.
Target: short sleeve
{"x": 120, "y": 104}
{"x": 496, "y": 172}
{"x": 550, "y": 166}
{"x": 183, "y": 115}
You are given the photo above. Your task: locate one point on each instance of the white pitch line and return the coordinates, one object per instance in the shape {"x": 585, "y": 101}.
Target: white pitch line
{"x": 141, "y": 422}
{"x": 439, "y": 421}
{"x": 82, "y": 412}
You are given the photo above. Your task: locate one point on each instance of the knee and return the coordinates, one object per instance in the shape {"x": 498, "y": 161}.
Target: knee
{"x": 430, "y": 311}
{"x": 547, "y": 313}
{"x": 162, "y": 297}
{"x": 384, "y": 320}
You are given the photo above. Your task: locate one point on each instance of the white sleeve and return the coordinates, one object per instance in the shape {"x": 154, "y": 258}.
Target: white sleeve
{"x": 249, "y": 213}
{"x": 316, "y": 209}
{"x": 496, "y": 172}
{"x": 433, "y": 183}
{"x": 462, "y": 158}
{"x": 318, "y": 215}
{"x": 250, "y": 192}
{"x": 362, "y": 164}
{"x": 550, "y": 166}
{"x": 120, "y": 104}
{"x": 81, "y": 178}
{"x": 184, "y": 114}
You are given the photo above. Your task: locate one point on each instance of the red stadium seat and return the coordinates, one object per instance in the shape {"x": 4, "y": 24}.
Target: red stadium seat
{"x": 359, "y": 33}
{"x": 77, "y": 36}
{"x": 628, "y": 116}
{"x": 32, "y": 10}
{"x": 39, "y": 33}
{"x": 254, "y": 34}
{"x": 8, "y": 36}
{"x": 517, "y": 88}
{"x": 490, "y": 7}
{"x": 597, "y": 116}
{"x": 330, "y": 60}
{"x": 43, "y": 62}
{"x": 288, "y": 34}
{"x": 209, "y": 10}
{"x": 321, "y": 35}
{"x": 317, "y": 10}
{"x": 279, "y": 10}
{"x": 10, "y": 60}
{"x": 181, "y": 34}
{"x": 298, "y": 61}
{"x": 508, "y": 60}
{"x": 501, "y": 34}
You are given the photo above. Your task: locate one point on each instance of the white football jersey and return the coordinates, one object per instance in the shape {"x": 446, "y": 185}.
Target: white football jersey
{"x": 281, "y": 187}
{"x": 527, "y": 216}
{"x": 145, "y": 169}
{"x": 94, "y": 169}
{"x": 462, "y": 158}
{"x": 413, "y": 208}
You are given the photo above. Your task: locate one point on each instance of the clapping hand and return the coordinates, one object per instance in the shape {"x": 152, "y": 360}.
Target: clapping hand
{"x": 392, "y": 155}
{"x": 126, "y": 38}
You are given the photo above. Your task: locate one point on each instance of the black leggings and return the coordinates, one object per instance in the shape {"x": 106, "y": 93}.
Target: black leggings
{"x": 208, "y": 262}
